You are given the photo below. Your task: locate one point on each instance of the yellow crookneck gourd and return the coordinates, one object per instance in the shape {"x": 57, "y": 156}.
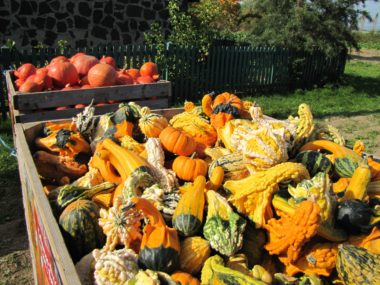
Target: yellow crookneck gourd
{"x": 357, "y": 188}
{"x": 305, "y": 124}
{"x": 251, "y": 196}
{"x": 124, "y": 160}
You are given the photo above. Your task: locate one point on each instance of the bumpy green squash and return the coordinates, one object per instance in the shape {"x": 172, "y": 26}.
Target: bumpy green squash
{"x": 314, "y": 161}
{"x": 357, "y": 266}
{"x": 79, "y": 223}
{"x": 223, "y": 228}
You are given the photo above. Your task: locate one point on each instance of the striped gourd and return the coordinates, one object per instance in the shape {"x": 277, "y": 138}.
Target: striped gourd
{"x": 233, "y": 166}
{"x": 357, "y": 266}
{"x": 79, "y": 222}
{"x": 194, "y": 253}
{"x": 345, "y": 166}
{"x": 314, "y": 161}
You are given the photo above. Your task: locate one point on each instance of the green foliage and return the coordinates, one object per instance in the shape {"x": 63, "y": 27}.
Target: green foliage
{"x": 40, "y": 45}
{"x": 199, "y": 26}
{"x": 11, "y": 44}
{"x": 368, "y": 40}
{"x": 62, "y": 45}
{"x": 306, "y": 25}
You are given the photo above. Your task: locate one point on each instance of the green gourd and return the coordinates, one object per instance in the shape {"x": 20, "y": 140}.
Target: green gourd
{"x": 81, "y": 231}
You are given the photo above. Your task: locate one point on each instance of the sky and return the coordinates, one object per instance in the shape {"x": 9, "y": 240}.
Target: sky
{"x": 373, "y": 8}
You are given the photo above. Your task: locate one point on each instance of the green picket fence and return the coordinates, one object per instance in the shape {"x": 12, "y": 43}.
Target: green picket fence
{"x": 243, "y": 70}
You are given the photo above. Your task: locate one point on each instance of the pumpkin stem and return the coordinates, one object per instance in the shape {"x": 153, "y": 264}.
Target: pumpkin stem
{"x": 193, "y": 155}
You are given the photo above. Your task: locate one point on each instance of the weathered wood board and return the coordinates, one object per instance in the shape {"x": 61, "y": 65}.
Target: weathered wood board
{"x": 39, "y": 106}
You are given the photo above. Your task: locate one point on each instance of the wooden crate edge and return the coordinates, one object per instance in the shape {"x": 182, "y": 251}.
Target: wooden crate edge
{"x": 61, "y": 255}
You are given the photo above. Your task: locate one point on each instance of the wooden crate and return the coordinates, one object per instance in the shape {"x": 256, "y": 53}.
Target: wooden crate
{"x": 40, "y": 106}
{"x": 51, "y": 260}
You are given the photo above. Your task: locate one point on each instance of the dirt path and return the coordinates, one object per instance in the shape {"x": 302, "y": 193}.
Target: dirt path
{"x": 365, "y": 128}
{"x": 366, "y": 55}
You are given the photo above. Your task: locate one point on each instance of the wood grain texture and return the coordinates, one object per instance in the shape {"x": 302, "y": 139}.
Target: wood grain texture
{"x": 30, "y": 177}
{"x": 47, "y": 115}
{"x": 51, "y": 99}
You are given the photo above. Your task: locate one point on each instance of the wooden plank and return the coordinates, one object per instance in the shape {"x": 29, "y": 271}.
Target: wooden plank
{"x": 99, "y": 110}
{"x": 43, "y": 100}
{"x": 32, "y": 129}
{"x": 50, "y": 230}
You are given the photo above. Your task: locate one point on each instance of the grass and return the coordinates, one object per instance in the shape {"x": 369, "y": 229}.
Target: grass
{"x": 357, "y": 94}
{"x": 9, "y": 179}
{"x": 368, "y": 40}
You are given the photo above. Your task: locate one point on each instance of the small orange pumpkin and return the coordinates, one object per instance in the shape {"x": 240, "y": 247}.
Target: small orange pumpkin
{"x": 188, "y": 168}
{"x": 222, "y": 108}
{"x": 176, "y": 141}
{"x": 185, "y": 278}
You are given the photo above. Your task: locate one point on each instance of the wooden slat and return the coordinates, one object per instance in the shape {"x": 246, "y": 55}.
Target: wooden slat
{"x": 99, "y": 110}
{"x": 43, "y": 100}
{"x": 62, "y": 258}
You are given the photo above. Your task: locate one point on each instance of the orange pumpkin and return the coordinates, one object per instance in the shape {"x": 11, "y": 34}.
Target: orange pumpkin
{"x": 227, "y": 98}
{"x": 185, "y": 278}
{"x": 188, "y": 168}
{"x": 224, "y": 107}
{"x": 176, "y": 141}
{"x": 101, "y": 74}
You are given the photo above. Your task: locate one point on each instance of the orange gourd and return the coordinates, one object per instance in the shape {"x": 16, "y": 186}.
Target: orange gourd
{"x": 216, "y": 178}
{"x": 223, "y": 108}
{"x": 188, "y": 168}
{"x": 185, "y": 278}
{"x": 160, "y": 244}
{"x": 177, "y": 142}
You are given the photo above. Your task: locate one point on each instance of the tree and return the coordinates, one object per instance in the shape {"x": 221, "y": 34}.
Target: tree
{"x": 199, "y": 26}
{"x": 326, "y": 25}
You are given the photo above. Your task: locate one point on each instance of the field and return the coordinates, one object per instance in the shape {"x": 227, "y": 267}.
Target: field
{"x": 353, "y": 106}
{"x": 368, "y": 40}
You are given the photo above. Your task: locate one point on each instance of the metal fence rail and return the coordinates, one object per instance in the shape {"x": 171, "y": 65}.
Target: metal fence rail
{"x": 241, "y": 69}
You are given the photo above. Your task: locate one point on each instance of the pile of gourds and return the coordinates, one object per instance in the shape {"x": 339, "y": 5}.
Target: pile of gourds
{"x": 217, "y": 194}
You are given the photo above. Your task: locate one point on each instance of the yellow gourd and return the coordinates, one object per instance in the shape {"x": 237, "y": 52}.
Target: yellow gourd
{"x": 357, "y": 188}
